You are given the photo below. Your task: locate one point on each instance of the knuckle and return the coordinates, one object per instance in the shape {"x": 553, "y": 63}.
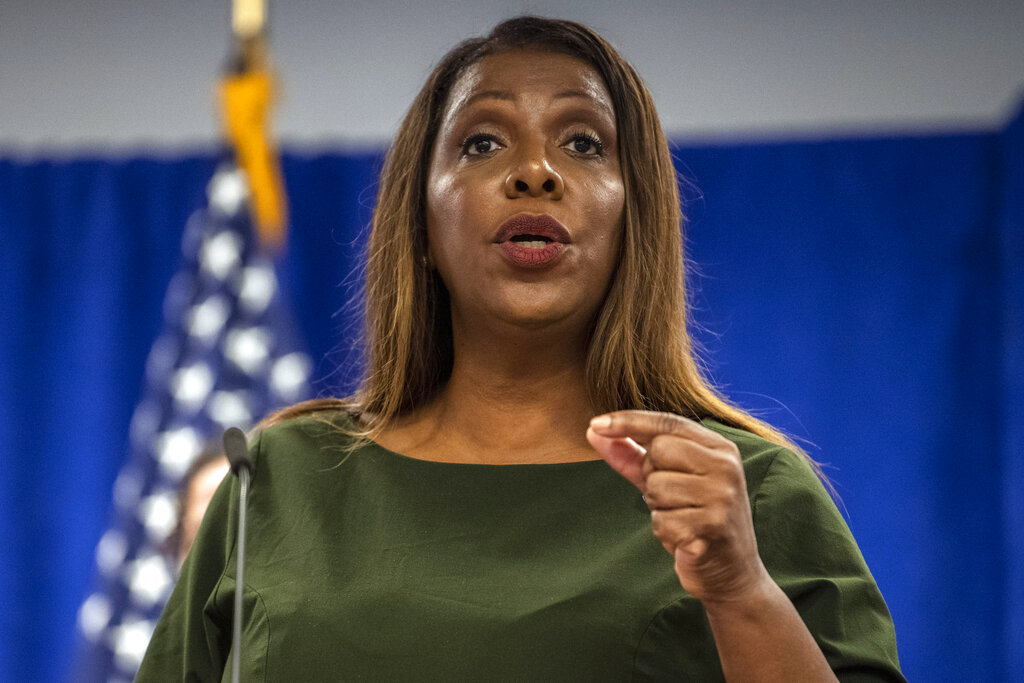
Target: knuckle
{"x": 666, "y": 423}
{"x": 662, "y": 442}
{"x": 729, "y": 493}
{"x": 653, "y": 496}
{"x": 656, "y": 491}
{"x": 663, "y": 449}
{"x": 669, "y": 529}
{"x": 648, "y": 465}
{"x": 718, "y": 518}
{"x": 656, "y": 451}
{"x": 662, "y": 524}
{"x": 730, "y": 464}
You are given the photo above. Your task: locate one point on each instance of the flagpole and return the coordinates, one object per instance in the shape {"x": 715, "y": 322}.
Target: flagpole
{"x": 247, "y": 93}
{"x": 248, "y": 19}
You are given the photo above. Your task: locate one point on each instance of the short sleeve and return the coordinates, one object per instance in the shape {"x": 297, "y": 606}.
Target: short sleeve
{"x": 810, "y": 552}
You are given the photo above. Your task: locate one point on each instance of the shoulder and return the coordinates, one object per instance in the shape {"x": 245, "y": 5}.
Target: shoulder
{"x": 316, "y": 437}
{"x": 809, "y": 551}
{"x": 765, "y": 463}
{"x": 790, "y": 505}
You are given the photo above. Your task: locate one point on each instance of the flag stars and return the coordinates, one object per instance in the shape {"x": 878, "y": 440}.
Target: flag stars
{"x": 129, "y": 641}
{"x": 161, "y": 359}
{"x": 111, "y": 551}
{"x": 249, "y": 349}
{"x": 149, "y": 580}
{"x": 258, "y": 284}
{"x": 94, "y": 615}
{"x": 221, "y": 254}
{"x": 229, "y": 408}
{"x": 206, "y": 320}
{"x": 145, "y": 421}
{"x": 176, "y": 449}
{"x": 289, "y": 375}
{"x": 159, "y": 513}
{"x": 127, "y": 489}
{"x": 227, "y": 191}
{"x": 191, "y": 385}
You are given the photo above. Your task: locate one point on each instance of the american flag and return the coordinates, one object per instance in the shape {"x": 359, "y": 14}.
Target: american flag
{"x": 227, "y": 355}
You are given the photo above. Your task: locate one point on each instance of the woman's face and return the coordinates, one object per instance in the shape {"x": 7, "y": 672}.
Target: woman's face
{"x": 525, "y": 194}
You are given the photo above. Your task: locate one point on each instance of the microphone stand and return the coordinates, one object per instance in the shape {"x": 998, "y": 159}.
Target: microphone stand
{"x": 237, "y": 452}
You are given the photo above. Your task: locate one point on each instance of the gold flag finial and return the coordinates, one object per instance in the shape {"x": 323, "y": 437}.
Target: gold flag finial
{"x": 248, "y": 17}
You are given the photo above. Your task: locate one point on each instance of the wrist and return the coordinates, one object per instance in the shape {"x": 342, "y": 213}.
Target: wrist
{"x": 757, "y": 597}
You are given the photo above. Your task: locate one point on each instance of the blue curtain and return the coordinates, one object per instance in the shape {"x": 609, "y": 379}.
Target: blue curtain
{"x": 867, "y": 295}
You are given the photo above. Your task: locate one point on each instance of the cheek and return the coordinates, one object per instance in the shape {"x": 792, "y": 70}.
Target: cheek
{"x": 442, "y": 213}
{"x": 614, "y": 203}
{"x": 604, "y": 194}
{"x": 607, "y": 212}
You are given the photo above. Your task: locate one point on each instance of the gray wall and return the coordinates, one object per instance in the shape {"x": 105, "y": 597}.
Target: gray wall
{"x": 139, "y": 74}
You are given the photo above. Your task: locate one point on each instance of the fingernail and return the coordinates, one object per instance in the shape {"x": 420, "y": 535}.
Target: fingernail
{"x": 601, "y": 422}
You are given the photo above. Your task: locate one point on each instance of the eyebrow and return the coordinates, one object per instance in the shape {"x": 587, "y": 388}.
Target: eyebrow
{"x": 488, "y": 94}
{"x": 586, "y": 95}
{"x": 564, "y": 95}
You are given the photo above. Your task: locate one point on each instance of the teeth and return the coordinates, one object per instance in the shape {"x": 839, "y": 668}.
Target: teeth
{"x": 533, "y": 244}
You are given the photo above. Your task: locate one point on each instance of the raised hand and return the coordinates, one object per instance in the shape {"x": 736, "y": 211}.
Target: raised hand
{"x": 692, "y": 479}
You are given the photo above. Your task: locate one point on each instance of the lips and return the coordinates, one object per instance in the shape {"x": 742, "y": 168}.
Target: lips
{"x": 532, "y": 241}
{"x": 526, "y": 225}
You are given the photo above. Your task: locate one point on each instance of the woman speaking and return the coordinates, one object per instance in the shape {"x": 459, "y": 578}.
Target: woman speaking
{"x": 534, "y": 481}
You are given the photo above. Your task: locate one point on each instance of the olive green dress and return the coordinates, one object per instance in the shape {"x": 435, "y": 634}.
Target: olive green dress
{"x": 375, "y": 566}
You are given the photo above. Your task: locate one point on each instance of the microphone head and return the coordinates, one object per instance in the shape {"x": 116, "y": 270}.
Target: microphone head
{"x": 237, "y": 450}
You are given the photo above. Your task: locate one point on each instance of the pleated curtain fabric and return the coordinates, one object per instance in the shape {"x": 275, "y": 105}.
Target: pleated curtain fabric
{"x": 864, "y": 294}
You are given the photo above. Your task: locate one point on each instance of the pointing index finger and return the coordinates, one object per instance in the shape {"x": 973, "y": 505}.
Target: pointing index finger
{"x": 644, "y": 425}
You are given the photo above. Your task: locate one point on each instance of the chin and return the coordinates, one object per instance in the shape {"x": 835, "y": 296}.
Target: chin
{"x": 540, "y": 314}
{"x": 535, "y": 320}
{"x": 530, "y": 306}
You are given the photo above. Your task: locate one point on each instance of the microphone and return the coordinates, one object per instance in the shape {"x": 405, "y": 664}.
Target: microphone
{"x": 237, "y": 452}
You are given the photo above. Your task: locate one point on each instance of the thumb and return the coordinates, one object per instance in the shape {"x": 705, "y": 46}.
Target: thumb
{"x": 623, "y": 454}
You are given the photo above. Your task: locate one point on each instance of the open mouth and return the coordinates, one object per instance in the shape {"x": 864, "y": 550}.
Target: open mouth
{"x": 531, "y": 241}
{"x": 529, "y": 230}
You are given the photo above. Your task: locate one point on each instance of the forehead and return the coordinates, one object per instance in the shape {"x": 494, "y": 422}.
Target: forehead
{"x": 522, "y": 75}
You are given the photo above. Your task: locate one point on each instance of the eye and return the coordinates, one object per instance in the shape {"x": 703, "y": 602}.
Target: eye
{"x": 480, "y": 144}
{"x": 585, "y": 144}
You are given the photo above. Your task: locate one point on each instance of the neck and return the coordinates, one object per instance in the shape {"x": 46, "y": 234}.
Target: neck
{"x": 511, "y": 398}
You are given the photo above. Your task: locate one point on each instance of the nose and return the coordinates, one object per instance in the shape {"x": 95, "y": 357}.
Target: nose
{"x": 534, "y": 177}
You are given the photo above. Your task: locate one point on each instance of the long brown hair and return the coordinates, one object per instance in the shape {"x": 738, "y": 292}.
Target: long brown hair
{"x": 640, "y": 354}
